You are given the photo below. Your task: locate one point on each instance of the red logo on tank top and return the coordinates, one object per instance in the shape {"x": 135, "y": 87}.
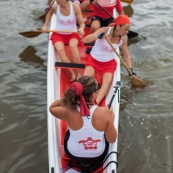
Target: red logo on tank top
{"x": 90, "y": 143}
{"x": 67, "y": 22}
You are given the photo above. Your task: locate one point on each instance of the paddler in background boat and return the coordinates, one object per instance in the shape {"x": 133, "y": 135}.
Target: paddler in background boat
{"x": 100, "y": 17}
{"x": 90, "y": 131}
{"x": 102, "y": 58}
{"x": 50, "y": 2}
{"x": 67, "y": 15}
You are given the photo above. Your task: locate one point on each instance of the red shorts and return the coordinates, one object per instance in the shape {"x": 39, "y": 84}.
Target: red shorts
{"x": 102, "y": 67}
{"x": 65, "y": 38}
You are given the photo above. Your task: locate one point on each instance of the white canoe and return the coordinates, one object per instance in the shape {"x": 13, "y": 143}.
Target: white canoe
{"x": 56, "y": 84}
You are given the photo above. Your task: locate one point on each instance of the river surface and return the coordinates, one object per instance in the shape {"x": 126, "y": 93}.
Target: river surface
{"x": 146, "y": 116}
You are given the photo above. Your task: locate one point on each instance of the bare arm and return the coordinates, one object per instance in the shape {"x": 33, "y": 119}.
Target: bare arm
{"x": 77, "y": 2}
{"x": 80, "y": 19}
{"x": 85, "y": 5}
{"x": 119, "y": 8}
{"x": 48, "y": 17}
{"x": 92, "y": 37}
{"x": 125, "y": 52}
{"x": 110, "y": 132}
{"x": 121, "y": 13}
{"x": 57, "y": 109}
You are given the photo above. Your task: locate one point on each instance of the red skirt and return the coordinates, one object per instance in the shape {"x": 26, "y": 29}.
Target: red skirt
{"x": 65, "y": 38}
{"x": 102, "y": 67}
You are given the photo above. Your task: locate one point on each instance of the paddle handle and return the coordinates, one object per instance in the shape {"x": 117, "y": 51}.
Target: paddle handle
{"x": 121, "y": 59}
{"x": 62, "y": 31}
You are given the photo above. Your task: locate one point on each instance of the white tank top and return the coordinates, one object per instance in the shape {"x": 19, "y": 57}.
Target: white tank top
{"x": 66, "y": 22}
{"x": 87, "y": 141}
{"x": 102, "y": 51}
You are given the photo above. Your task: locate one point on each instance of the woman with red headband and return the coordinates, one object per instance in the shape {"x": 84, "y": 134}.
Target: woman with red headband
{"x": 102, "y": 58}
{"x": 90, "y": 131}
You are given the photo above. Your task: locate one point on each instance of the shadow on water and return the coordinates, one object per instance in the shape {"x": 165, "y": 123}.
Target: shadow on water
{"x": 29, "y": 56}
{"x": 136, "y": 39}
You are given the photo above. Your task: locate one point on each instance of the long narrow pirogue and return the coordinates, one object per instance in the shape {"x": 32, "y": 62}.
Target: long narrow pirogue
{"x": 57, "y": 83}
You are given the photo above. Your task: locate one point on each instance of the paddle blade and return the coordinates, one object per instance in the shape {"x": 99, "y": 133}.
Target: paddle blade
{"x": 127, "y": 1}
{"x": 136, "y": 82}
{"x": 42, "y": 17}
{"x": 132, "y": 34}
{"x": 31, "y": 34}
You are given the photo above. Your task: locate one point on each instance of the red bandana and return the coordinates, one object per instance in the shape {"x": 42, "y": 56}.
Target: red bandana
{"x": 78, "y": 89}
{"x": 121, "y": 20}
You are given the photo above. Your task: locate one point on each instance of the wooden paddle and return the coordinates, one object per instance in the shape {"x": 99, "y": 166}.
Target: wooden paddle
{"x": 45, "y": 13}
{"x": 135, "y": 81}
{"x": 131, "y": 34}
{"x": 127, "y": 1}
{"x": 31, "y": 34}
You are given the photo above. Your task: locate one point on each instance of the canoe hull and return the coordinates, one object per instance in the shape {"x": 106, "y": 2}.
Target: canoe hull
{"x": 57, "y": 83}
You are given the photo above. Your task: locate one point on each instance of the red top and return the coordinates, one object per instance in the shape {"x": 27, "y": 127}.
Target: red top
{"x": 97, "y": 11}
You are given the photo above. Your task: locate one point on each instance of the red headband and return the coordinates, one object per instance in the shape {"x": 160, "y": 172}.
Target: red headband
{"x": 121, "y": 20}
{"x": 78, "y": 89}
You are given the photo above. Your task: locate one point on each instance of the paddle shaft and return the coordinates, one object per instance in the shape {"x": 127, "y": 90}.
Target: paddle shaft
{"x": 121, "y": 59}
{"x": 31, "y": 34}
{"x": 104, "y": 10}
{"x": 135, "y": 81}
{"x": 63, "y": 31}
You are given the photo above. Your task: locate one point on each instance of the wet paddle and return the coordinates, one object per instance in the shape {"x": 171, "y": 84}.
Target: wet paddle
{"x": 31, "y": 34}
{"x": 131, "y": 34}
{"x": 127, "y": 1}
{"x": 135, "y": 81}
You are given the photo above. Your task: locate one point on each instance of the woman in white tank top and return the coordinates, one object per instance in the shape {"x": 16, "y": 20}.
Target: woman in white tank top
{"x": 51, "y": 1}
{"x": 102, "y": 58}
{"x": 90, "y": 130}
{"x": 67, "y": 13}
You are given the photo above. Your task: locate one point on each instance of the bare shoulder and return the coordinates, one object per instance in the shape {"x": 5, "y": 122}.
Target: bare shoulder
{"x": 54, "y": 8}
{"x": 124, "y": 39}
{"x": 76, "y": 8}
{"x": 103, "y": 111}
